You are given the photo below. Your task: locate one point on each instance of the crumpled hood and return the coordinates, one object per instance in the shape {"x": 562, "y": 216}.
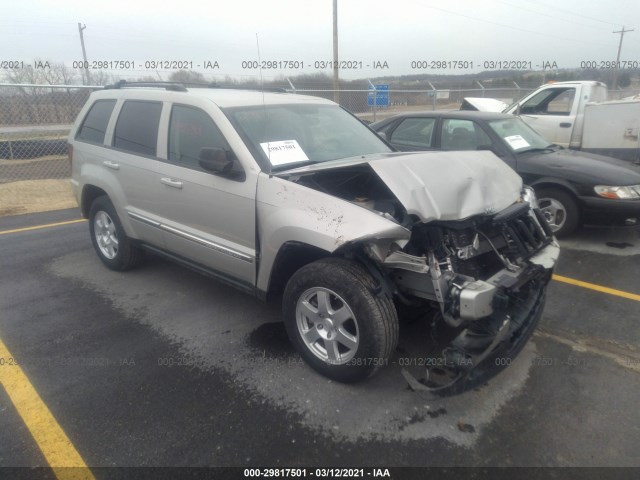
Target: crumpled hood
{"x": 449, "y": 185}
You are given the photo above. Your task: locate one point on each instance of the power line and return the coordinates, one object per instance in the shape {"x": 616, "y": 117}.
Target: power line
{"x": 582, "y": 42}
{"x": 572, "y": 12}
{"x": 555, "y": 17}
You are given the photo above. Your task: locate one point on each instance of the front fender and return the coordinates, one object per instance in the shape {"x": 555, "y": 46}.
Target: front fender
{"x": 289, "y": 212}
{"x": 553, "y": 181}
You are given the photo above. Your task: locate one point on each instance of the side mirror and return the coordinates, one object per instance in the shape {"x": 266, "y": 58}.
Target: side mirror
{"x": 518, "y": 109}
{"x": 383, "y": 136}
{"x": 216, "y": 160}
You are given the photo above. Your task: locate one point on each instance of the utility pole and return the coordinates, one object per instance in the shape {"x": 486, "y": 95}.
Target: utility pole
{"x": 84, "y": 54}
{"x": 336, "y": 83}
{"x": 615, "y": 78}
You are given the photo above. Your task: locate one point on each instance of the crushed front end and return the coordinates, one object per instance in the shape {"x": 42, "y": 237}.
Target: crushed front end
{"x": 468, "y": 242}
{"x": 488, "y": 274}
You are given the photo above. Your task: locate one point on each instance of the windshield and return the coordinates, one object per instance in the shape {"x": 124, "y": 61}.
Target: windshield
{"x": 518, "y": 136}
{"x": 292, "y": 135}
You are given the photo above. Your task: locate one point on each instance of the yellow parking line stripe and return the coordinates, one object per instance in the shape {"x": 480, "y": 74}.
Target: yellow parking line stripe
{"x": 597, "y": 288}
{"x": 58, "y": 450}
{"x": 38, "y": 227}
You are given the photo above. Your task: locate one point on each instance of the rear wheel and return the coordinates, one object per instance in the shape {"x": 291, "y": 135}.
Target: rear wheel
{"x": 560, "y": 210}
{"x": 335, "y": 320}
{"x": 110, "y": 241}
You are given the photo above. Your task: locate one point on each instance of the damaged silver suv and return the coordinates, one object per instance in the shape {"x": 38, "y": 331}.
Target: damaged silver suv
{"x": 291, "y": 197}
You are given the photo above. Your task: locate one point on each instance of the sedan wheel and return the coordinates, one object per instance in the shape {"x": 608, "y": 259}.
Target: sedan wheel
{"x": 560, "y": 210}
{"x": 554, "y": 212}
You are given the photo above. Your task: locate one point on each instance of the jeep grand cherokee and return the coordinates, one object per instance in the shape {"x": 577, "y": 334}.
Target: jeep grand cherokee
{"x": 292, "y": 197}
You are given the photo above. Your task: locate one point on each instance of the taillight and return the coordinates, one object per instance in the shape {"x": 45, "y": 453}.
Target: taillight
{"x": 70, "y": 152}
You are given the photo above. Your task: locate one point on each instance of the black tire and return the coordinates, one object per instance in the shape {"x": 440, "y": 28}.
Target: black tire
{"x": 117, "y": 252}
{"x": 568, "y": 204}
{"x": 373, "y": 323}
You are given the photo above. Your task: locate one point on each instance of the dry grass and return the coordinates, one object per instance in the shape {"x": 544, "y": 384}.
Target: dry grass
{"x": 30, "y": 196}
{"x": 7, "y": 162}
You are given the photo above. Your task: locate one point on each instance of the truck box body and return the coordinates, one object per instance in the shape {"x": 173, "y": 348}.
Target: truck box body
{"x": 612, "y": 129}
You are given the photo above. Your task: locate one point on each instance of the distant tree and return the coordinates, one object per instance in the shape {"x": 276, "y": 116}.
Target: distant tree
{"x": 187, "y": 76}
{"x": 147, "y": 78}
{"x": 43, "y": 72}
{"x": 624, "y": 80}
{"x": 229, "y": 80}
{"x": 59, "y": 74}
{"x": 100, "y": 77}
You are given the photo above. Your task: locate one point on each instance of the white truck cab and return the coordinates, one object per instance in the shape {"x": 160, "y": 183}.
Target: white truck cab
{"x": 556, "y": 110}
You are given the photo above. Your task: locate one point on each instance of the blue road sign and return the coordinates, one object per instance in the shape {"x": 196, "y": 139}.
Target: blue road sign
{"x": 379, "y": 96}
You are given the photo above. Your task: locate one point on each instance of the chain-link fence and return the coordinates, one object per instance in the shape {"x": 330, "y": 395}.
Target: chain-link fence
{"x": 34, "y": 125}
{"x": 366, "y": 103}
{"x": 35, "y": 119}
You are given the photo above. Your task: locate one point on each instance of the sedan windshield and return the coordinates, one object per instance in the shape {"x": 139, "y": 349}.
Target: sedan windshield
{"x": 518, "y": 136}
{"x": 294, "y": 135}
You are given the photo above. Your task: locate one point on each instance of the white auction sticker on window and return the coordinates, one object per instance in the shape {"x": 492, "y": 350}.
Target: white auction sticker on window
{"x": 517, "y": 142}
{"x": 283, "y": 152}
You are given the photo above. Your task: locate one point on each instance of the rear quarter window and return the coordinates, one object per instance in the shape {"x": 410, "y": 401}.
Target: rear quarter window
{"x": 94, "y": 126}
{"x": 137, "y": 127}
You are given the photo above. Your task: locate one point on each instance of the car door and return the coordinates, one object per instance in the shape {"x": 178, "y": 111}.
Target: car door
{"x": 133, "y": 161}
{"x": 552, "y": 113}
{"x": 208, "y": 219}
{"x": 413, "y": 133}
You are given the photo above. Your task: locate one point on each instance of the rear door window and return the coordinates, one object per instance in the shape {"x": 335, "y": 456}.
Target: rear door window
{"x": 414, "y": 132}
{"x": 137, "y": 127}
{"x": 95, "y": 123}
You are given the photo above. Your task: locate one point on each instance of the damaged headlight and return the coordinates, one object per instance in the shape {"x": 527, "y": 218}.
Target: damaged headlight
{"x": 618, "y": 193}
{"x": 528, "y": 195}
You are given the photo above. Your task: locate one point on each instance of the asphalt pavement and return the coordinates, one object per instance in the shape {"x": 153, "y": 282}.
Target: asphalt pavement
{"x": 163, "y": 367}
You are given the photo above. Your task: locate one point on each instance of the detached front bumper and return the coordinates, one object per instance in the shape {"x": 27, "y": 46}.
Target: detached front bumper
{"x": 500, "y": 315}
{"x": 479, "y": 298}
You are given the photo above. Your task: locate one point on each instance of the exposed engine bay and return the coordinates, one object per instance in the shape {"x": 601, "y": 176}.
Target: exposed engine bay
{"x": 484, "y": 274}
{"x": 359, "y": 185}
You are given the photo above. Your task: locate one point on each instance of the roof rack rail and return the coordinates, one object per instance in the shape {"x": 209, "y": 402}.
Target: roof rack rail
{"x": 182, "y": 86}
{"x": 255, "y": 88}
{"x": 234, "y": 87}
{"x": 174, "y": 86}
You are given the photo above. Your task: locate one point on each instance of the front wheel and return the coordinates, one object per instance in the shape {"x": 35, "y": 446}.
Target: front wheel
{"x": 110, "y": 241}
{"x": 337, "y": 322}
{"x": 560, "y": 210}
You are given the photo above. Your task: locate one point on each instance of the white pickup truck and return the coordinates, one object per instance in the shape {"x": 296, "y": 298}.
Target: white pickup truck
{"x": 577, "y": 115}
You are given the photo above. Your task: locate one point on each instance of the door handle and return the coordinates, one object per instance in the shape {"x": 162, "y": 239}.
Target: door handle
{"x": 111, "y": 165}
{"x": 171, "y": 182}
{"x": 565, "y": 125}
